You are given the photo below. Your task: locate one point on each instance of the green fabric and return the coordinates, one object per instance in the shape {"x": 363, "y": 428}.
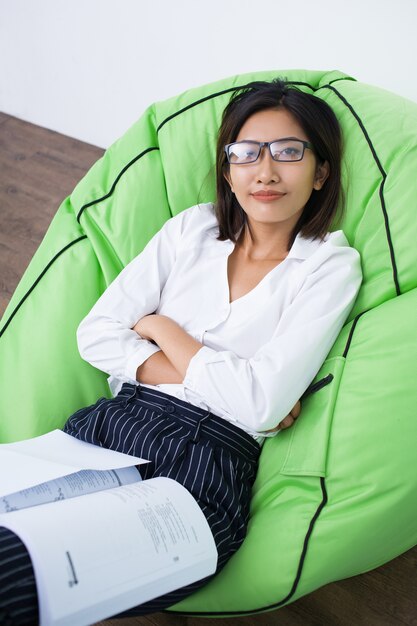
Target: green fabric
{"x": 336, "y": 494}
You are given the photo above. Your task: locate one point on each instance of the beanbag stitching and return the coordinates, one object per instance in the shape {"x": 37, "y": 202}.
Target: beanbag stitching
{"x": 113, "y": 187}
{"x": 296, "y": 579}
{"x": 381, "y": 188}
{"x": 41, "y": 275}
{"x": 230, "y": 89}
{"x": 352, "y": 330}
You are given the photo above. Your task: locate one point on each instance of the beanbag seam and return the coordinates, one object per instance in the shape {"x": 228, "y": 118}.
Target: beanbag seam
{"x": 41, "y": 275}
{"x": 381, "y": 188}
{"x": 276, "y": 605}
{"x": 118, "y": 177}
{"x": 230, "y": 89}
{"x": 352, "y": 330}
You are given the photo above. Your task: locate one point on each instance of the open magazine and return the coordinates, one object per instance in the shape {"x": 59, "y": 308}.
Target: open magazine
{"x": 101, "y": 539}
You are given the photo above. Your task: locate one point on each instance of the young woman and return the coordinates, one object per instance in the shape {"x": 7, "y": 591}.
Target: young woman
{"x": 213, "y": 333}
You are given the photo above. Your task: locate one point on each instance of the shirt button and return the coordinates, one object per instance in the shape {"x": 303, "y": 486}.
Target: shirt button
{"x": 170, "y": 409}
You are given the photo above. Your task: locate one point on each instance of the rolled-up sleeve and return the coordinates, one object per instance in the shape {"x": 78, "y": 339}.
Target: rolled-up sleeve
{"x": 260, "y": 391}
{"x": 105, "y": 338}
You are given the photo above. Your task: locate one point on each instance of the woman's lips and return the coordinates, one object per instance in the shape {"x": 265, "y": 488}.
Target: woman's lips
{"x": 267, "y": 196}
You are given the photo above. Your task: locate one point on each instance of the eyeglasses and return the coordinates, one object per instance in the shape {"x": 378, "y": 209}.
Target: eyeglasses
{"x": 286, "y": 149}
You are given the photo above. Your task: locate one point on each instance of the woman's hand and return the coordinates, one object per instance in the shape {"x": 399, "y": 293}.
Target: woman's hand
{"x": 289, "y": 420}
{"x": 291, "y": 417}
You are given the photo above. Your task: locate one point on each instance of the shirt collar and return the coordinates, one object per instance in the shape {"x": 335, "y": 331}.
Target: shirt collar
{"x": 303, "y": 248}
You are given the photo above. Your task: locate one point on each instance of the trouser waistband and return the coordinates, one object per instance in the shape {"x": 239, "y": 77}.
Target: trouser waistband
{"x": 206, "y": 423}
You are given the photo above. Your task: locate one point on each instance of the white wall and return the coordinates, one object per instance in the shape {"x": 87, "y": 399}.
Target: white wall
{"x": 88, "y": 68}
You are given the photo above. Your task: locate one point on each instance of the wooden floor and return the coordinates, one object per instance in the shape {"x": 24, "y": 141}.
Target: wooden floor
{"x": 38, "y": 169}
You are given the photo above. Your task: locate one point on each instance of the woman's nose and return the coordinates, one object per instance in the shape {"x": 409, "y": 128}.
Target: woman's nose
{"x": 268, "y": 169}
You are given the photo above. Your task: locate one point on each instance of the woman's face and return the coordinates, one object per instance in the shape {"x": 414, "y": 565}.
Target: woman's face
{"x": 269, "y": 191}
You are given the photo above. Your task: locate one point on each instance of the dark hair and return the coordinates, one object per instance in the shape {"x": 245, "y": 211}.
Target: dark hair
{"x": 320, "y": 124}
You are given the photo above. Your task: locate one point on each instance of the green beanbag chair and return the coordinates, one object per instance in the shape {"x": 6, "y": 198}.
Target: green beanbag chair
{"x": 336, "y": 494}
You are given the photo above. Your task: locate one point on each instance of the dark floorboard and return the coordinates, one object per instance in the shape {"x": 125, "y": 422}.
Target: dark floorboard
{"x": 38, "y": 169}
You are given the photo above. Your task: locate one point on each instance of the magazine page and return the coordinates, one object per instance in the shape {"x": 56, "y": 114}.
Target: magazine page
{"x": 34, "y": 461}
{"x": 114, "y": 549}
{"x": 71, "y": 486}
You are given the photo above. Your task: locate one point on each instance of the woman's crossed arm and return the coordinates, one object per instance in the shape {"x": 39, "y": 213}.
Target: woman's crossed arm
{"x": 170, "y": 364}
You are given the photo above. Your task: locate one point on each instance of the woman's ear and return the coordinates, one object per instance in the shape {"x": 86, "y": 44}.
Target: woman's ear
{"x": 321, "y": 175}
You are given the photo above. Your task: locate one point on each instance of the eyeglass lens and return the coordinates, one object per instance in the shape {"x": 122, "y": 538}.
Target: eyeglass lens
{"x": 247, "y": 151}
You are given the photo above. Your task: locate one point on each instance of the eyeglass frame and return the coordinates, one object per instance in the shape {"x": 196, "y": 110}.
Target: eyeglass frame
{"x": 262, "y": 144}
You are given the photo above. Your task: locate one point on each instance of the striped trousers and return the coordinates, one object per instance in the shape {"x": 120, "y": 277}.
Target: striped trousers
{"x": 213, "y": 459}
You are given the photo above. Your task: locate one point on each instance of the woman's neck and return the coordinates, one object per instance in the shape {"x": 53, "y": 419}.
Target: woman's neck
{"x": 263, "y": 244}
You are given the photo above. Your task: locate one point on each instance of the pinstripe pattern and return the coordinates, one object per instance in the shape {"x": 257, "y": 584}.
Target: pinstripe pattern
{"x": 18, "y": 598}
{"x": 215, "y": 460}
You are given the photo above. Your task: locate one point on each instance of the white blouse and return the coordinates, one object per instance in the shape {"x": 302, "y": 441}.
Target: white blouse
{"x": 260, "y": 352}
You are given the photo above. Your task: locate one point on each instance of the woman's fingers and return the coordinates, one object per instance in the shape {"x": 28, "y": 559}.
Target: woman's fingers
{"x": 289, "y": 420}
{"x": 286, "y": 422}
{"x": 291, "y": 417}
{"x": 296, "y": 410}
